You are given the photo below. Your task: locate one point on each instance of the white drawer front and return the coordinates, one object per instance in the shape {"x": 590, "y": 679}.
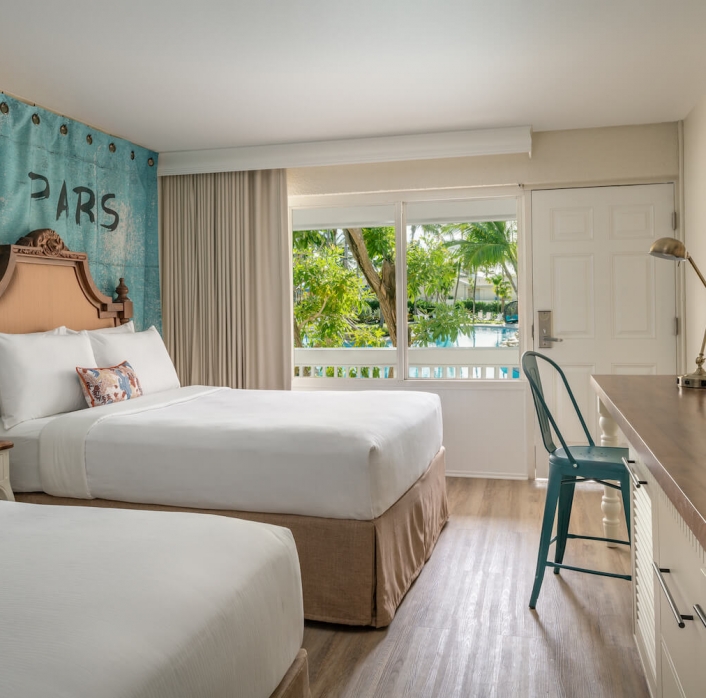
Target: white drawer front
{"x": 684, "y": 651}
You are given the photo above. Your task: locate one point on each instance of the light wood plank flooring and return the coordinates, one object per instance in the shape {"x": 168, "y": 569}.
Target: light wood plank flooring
{"x": 465, "y": 628}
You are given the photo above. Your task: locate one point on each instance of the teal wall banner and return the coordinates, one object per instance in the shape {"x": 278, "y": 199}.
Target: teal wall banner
{"x": 98, "y": 192}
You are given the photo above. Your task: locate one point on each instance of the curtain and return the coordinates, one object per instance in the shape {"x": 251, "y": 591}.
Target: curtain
{"x": 226, "y": 278}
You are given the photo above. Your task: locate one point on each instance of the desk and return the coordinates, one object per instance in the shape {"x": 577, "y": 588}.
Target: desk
{"x": 665, "y": 428}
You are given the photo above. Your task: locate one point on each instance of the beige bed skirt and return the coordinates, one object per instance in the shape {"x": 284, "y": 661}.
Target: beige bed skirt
{"x": 295, "y": 683}
{"x": 353, "y": 572}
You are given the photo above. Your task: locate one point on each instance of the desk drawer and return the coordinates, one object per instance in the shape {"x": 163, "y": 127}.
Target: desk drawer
{"x": 683, "y": 648}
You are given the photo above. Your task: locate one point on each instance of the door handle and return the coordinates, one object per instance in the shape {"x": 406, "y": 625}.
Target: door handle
{"x": 679, "y": 617}
{"x": 633, "y": 475}
{"x": 546, "y": 338}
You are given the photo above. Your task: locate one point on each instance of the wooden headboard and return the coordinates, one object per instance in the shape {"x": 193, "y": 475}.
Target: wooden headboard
{"x": 43, "y": 285}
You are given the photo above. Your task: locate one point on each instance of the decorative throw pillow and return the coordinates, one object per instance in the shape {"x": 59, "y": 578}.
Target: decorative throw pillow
{"x": 102, "y": 386}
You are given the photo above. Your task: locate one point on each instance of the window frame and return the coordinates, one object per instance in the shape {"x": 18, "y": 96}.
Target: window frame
{"x": 400, "y": 199}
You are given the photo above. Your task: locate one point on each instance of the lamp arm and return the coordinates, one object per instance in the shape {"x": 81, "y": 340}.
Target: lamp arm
{"x": 696, "y": 269}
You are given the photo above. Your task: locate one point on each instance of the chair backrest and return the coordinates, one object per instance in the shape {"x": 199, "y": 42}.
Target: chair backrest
{"x": 544, "y": 415}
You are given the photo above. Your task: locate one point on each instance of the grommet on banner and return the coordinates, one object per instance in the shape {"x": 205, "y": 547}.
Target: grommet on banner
{"x": 63, "y": 129}
{"x": 132, "y": 155}
{"x": 112, "y": 148}
{"x": 4, "y": 108}
{"x": 150, "y": 162}
{"x": 35, "y": 119}
{"x": 89, "y": 139}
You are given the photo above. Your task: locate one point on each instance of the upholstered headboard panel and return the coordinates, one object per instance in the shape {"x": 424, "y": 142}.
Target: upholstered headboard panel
{"x": 43, "y": 285}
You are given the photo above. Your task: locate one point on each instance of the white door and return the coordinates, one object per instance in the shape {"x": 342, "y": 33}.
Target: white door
{"x": 613, "y": 305}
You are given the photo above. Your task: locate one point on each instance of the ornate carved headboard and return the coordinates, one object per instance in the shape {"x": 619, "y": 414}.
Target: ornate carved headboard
{"x": 43, "y": 285}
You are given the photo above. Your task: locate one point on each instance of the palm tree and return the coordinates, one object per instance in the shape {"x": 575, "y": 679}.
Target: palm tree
{"x": 487, "y": 244}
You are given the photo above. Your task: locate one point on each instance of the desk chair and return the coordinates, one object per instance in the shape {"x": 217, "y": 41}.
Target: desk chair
{"x": 567, "y": 467}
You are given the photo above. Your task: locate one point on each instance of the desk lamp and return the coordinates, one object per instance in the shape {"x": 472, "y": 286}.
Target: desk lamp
{"x": 671, "y": 248}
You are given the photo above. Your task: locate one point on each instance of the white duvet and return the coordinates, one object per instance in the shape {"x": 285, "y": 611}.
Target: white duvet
{"x": 331, "y": 454}
{"x": 115, "y": 604}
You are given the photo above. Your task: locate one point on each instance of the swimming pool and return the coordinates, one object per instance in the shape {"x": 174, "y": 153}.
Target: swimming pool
{"x": 487, "y": 336}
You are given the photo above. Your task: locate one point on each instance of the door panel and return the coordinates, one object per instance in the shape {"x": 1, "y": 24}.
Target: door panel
{"x": 633, "y": 296}
{"x": 572, "y": 295}
{"x": 613, "y": 305}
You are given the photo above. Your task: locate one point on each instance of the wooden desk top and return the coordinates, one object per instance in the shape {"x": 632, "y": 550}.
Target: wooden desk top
{"x": 5, "y": 444}
{"x": 666, "y": 425}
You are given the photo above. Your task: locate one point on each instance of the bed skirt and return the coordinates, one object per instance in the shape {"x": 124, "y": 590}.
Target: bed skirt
{"x": 353, "y": 572}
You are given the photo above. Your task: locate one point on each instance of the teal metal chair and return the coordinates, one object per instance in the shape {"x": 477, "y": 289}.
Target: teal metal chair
{"x": 567, "y": 468}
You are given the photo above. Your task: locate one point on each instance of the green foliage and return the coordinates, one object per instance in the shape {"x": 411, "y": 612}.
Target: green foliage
{"x": 431, "y": 269}
{"x": 483, "y": 306}
{"x": 443, "y": 325}
{"x": 304, "y": 240}
{"x": 489, "y": 244}
{"x": 328, "y": 298}
{"x": 501, "y": 287}
{"x": 334, "y": 306}
{"x": 367, "y": 336}
{"x": 380, "y": 243}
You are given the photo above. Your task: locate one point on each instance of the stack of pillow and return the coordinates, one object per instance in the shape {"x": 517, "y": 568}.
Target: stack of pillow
{"x": 48, "y": 373}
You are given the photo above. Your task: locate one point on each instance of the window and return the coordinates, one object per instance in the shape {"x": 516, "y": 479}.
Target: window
{"x": 454, "y": 318}
{"x": 462, "y": 289}
{"x": 345, "y": 294}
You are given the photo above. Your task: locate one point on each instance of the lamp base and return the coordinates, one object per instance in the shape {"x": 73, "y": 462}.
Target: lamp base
{"x": 692, "y": 380}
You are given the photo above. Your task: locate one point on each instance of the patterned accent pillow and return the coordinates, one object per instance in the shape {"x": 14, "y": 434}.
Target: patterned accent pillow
{"x": 102, "y": 386}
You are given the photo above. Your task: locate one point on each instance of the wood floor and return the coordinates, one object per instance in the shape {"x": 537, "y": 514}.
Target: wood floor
{"x": 465, "y": 629}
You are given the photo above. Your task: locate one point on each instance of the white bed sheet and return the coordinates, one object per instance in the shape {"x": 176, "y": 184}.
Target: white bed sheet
{"x": 344, "y": 455}
{"x": 114, "y": 603}
{"x": 24, "y": 457}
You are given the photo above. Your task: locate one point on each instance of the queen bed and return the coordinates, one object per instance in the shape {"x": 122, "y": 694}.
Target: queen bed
{"x": 104, "y": 602}
{"x": 357, "y": 477}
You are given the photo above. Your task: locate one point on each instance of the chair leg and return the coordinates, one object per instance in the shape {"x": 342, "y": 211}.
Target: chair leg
{"x": 546, "y": 535}
{"x": 625, "y": 491}
{"x": 566, "y": 500}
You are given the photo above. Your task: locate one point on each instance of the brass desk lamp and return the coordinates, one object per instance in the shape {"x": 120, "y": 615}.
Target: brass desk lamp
{"x": 671, "y": 248}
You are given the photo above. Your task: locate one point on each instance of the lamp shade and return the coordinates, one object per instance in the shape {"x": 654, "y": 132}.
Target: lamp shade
{"x": 669, "y": 248}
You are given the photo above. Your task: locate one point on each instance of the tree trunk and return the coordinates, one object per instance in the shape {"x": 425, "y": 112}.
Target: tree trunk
{"x": 509, "y": 278}
{"x": 382, "y": 285}
{"x": 458, "y": 281}
{"x": 475, "y": 283}
{"x": 297, "y": 335}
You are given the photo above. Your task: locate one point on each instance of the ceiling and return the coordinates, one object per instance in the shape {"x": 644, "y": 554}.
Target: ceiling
{"x": 187, "y": 75}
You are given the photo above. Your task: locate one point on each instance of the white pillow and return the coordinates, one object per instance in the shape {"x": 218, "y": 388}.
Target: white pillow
{"x": 56, "y": 331}
{"x": 144, "y": 351}
{"x": 38, "y": 375}
{"x": 119, "y": 329}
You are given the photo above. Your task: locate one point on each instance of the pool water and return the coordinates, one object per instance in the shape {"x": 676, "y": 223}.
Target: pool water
{"x": 487, "y": 336}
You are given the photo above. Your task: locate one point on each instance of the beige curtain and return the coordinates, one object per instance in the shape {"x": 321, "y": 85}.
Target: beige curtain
{"x": 226, "y": 278}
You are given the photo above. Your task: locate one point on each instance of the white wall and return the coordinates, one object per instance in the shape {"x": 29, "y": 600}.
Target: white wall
{"x": 695, "y": 225}
{"x": 488, "y": 426}
{"x": 586, "y": 156}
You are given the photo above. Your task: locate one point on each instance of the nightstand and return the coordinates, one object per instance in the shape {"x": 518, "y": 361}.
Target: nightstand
{"x": 5, "y": 489}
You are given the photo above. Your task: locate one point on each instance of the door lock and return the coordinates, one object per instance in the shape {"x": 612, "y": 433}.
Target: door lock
{"x": 545, "y": 329}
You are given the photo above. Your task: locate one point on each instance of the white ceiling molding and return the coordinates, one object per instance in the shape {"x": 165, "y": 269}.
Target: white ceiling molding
{"x": 425, "y": 146}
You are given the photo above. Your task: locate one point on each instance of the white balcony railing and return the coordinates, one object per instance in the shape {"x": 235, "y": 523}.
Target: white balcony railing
{"x": 433, "y": 363}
